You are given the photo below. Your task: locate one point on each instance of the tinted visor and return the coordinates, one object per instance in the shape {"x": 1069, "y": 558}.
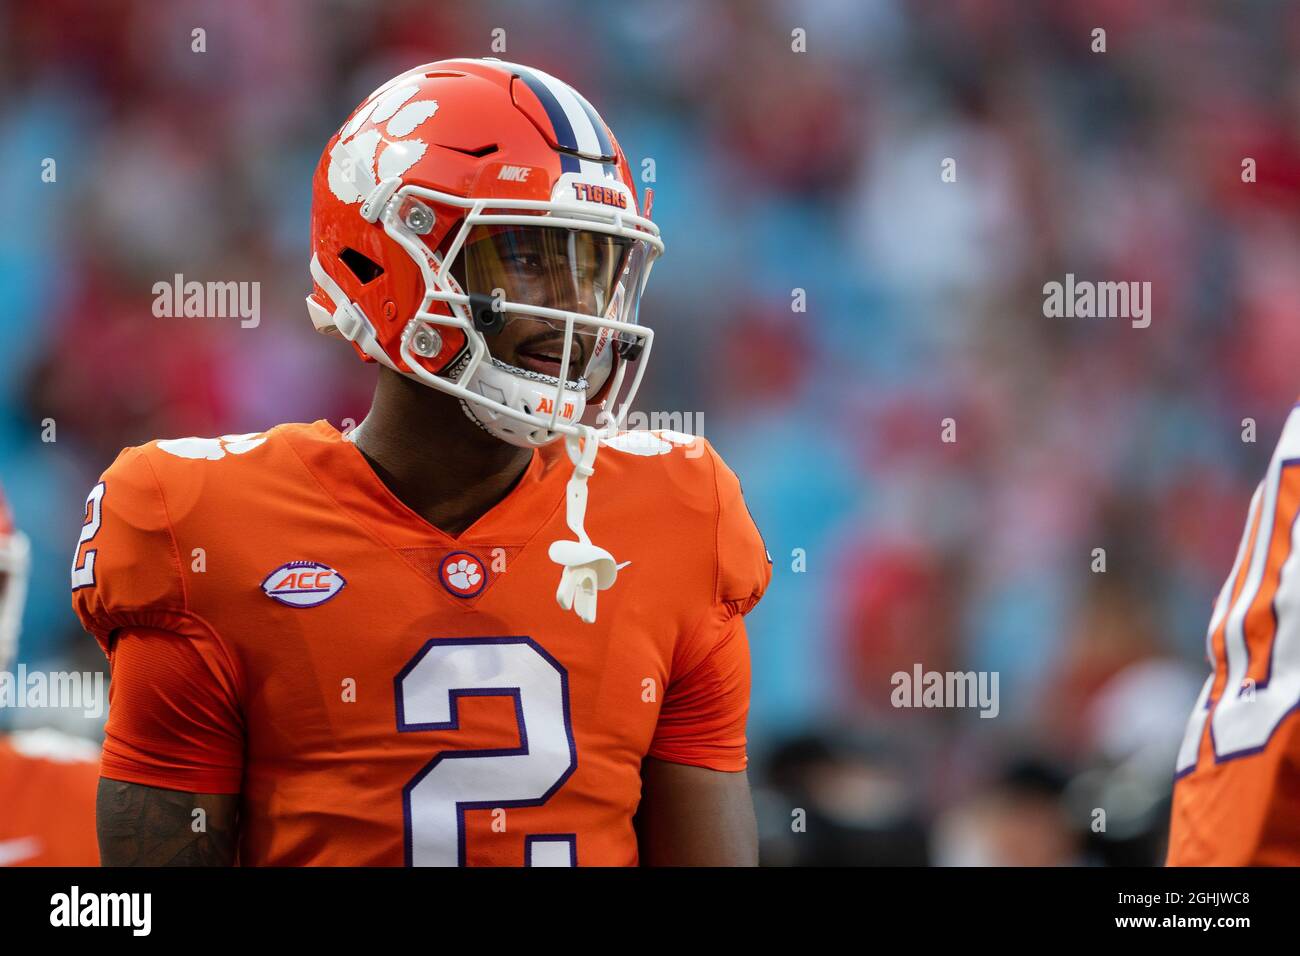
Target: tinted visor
{"x": 569, "y": 269}
{"x": 574, "y": 270}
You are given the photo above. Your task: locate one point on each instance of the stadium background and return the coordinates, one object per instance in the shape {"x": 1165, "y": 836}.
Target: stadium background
{"x": 774, "y": 171}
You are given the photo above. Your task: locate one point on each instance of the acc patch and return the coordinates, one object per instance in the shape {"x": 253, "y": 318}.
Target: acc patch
{"x": 303, "y": 583}
{"x": 462, "y": 574}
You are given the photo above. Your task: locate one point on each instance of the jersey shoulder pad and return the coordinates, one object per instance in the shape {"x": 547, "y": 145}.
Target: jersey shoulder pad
{"x": 198, "y": 477}
{"x": 126, "y": 569}
{"x": 691, "y": 472}
{"x": 744, "y": 565}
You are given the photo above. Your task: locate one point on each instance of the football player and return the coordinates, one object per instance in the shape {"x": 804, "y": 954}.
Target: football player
{"x": 386, "y": 647}
{"x": 47, "y": 779}
{"x": 1237, "y": 792}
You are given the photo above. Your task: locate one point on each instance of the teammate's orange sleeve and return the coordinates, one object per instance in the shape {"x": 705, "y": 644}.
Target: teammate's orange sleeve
{"x": 47, "y": 800}
{"x": 173, "y": 716}
{"x": 174, "y": 720}
{"x": 706, "y": 704}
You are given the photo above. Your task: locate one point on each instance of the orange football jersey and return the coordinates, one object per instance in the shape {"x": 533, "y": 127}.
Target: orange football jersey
{"x": 47, "y": 800}
{"x": 1237, "y": 794}
{"x": 281, "y": 626}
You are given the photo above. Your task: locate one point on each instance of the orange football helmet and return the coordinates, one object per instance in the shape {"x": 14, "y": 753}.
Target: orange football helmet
{"x": 463, "y": 195}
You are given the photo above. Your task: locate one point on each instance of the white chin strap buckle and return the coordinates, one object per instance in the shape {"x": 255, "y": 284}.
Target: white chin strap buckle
{"x": 587, "y": 568}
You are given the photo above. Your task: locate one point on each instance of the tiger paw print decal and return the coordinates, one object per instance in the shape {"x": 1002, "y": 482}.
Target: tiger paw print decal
{"x": 357, "y": 165}
{"x": 462, "y": 574}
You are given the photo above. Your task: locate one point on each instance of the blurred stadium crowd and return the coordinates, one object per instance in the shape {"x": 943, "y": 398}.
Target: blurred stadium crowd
{"x": 774, "y": 171}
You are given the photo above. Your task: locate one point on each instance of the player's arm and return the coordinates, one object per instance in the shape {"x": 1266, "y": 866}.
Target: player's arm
{"x": 694, "y": 816}
{"x": 174, "y": 740}
{"x": 149, "y": 826}
{"x": 696, "y": 808}
{"x": 172, "y": 765}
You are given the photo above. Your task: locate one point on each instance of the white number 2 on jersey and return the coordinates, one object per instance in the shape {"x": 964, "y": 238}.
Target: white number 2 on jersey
{"x": 429, "y": 689}
{"x": 1256, "y": 622}
{"x": 83, "y": 568}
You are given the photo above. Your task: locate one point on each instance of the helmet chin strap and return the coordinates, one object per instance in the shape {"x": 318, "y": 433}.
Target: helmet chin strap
{"x": 587, "y": 568}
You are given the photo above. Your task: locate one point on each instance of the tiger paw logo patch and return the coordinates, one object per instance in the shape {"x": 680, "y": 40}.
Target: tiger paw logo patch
{"x": 303, "y": 583}
{"x": 462, "y": 574}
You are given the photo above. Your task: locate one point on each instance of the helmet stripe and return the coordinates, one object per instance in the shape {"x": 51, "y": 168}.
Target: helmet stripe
{"x": 576, "y": 124}
{"x": 584, "y": 130}
{"x": 594, "y": 170}
{"x": 560, "y": 124}
{"x": 597, "y": 124}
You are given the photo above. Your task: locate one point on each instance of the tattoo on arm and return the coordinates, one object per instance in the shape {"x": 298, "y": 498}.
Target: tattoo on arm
{"x": 146, "y": 826}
